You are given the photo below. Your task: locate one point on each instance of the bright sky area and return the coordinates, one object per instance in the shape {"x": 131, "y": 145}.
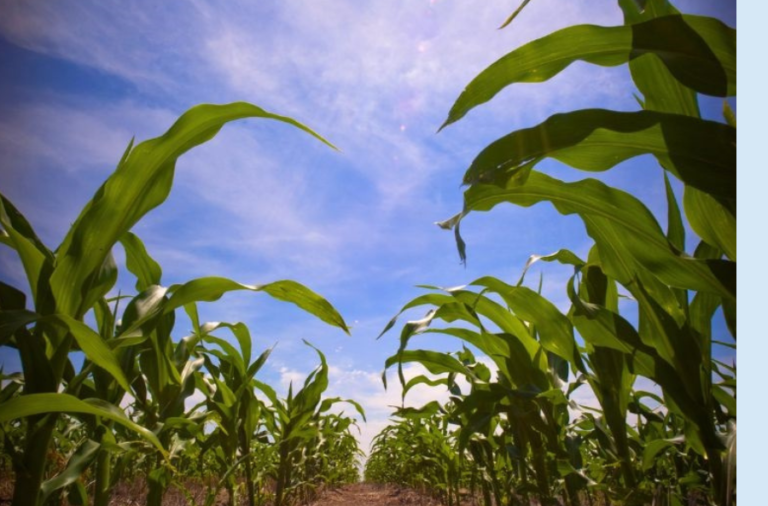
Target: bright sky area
{"x": 263, "y": 201}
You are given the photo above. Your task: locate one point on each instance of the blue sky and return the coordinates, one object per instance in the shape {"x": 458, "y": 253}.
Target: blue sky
{"x": 263, "y": 201}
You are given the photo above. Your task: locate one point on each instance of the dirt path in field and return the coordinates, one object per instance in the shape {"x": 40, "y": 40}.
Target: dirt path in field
{"x": 366, "y": 494}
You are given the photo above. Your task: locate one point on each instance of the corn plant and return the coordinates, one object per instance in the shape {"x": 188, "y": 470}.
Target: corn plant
{"x": 238, "y": 412}
{"x": 672, "y": 57}
{"x": 297, "y": 430}
{"x": 136, "y": 357}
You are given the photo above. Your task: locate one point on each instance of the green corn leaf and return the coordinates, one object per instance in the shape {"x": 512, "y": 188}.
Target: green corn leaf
{"x": 423, "y": 380}
{"x": 426, "y": 411}
{"x": 11, "y": 299}
{"x": 231, "y": 353}
{"x": 13, "y": 320}
{"x": 78, "y": 463}
{"x": 308, "y": 398}
{"x": 98, "y": 284}
{"x": 327, "y": 403}
{"x": 662, "y": 92}
{"x": 619, "y": 224}
{"x": 555, "y": 331}
{"x": 434, "y": 362}
{"x": 138, "y": 262}
{"x": 212, "y": 288}
{"x": 653, "y": 448}
{"x": 243, "y": 336}
{"x": 710, "y": 220}
{"x": 700, "y": 153}
{"x": 429, "y": 298}
{"x": 38, "y": 404}
{"x": 514, "y": 14}
{"x": 256, "y": 366}
{"x": 675, "y": 228}
{"x": 141, "y": 182}
{"x": 700, "y": 52}
{"x": 563, "y": 256}
{"x": 268, "y": 391}
{"x": 94, "y": 347}
{"x": 37, "y": 260}
{"x": 13, "y": 220}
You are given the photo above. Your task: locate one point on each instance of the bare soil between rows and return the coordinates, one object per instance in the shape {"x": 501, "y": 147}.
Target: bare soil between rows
{"x": 368, "y": 494}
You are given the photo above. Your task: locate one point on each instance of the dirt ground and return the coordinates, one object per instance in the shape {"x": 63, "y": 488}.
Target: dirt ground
{"x": 359, "y": 494}
{"x": 367, "y": 494}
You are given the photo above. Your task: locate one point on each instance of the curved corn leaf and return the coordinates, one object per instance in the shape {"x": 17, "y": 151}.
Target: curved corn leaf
{"x": 38, "y": 261}
{"x": 700, "y": 52}
{"x": 700, "y": 153}
{"x": 94, "y": 347}
{"x": 621, "y": 225}
{"x": 428, "y": 298}
{"x": 39, "y": 404}
{"x": 434, "y": 362}
{"x": 554, "y": 329}
{"x": 243, "y": 336}
{"x": 423, "y": 380}
{"x": 711, "y": 221}
{"x": 78, "y": 463}
{"x": 212, "y": 288}
{"x": 138, "y": 261}
{"x": 327, "y": 403}
{"x": 428, "y": 410}
{"x": 563, "y": 256}
{"x": 141, "y": 182}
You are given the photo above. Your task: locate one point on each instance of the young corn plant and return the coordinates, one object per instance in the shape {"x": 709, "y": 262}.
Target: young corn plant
{"x": 297, "y": 429}
{"x": 233, "y": 402}
{"x": 137, "y": 357}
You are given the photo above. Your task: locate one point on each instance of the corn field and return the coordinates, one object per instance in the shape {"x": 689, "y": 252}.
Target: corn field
{"x": 109, "y": 392}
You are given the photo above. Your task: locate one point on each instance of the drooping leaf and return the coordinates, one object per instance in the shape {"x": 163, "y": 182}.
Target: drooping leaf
{"x": 141, "y": 182}
{"x": 327, "y": 403}
{"x": 563, "y": 256}
{"x": 38, "y": 404}
{"x": 434, "y": 362}
{"x": 700, "y": 52}
{"x": 620, "y": 224}
{"x": 212, "y": 288}
{"x": 700, "y": 153}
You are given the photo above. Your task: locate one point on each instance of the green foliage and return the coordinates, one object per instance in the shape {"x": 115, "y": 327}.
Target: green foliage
{"x": 516, "y": 430}
{"x": 131, "y": 358}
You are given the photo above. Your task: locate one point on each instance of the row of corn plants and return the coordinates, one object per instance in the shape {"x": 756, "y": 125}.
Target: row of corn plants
{"x": 76, "y": 427}
{"x": 519, "y": 428}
